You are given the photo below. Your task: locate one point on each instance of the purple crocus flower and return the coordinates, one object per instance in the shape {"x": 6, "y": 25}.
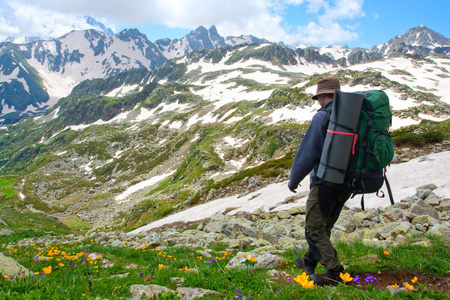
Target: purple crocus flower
{"x": 370, "y": 278}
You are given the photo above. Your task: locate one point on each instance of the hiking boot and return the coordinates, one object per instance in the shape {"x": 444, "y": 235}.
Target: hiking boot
{"x": 325, "y": 279}
{"x": 303, "y": 264}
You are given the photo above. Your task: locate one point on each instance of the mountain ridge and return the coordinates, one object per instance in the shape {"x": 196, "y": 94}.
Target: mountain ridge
{"x": 122, "y": 151}
{"x": 89, "y": 54}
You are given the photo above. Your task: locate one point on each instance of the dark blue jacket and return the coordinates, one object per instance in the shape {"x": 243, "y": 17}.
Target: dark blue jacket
{"x": 310, "y": 150}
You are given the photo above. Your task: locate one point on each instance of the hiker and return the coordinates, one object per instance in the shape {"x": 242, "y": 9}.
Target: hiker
{"x": 325, "y": 200}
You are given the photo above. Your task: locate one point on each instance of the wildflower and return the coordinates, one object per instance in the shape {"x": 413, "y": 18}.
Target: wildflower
{"x": 414, "y": 280}
{"x": 252, "y": 259}
{"x": 47, "y": 270}
{"x": 370, "y": 278}
{"x": 303, "y": 280}
{"x": 386, "y": 252}
{"x": 356, "y": 279}
{"x": 346, "y": 277}
{"x": 409, "y": 286}
{"x": 393, "y": 286}
{"x": 6, "y": 276}
{"x": 245, "y": 255}
{"x": 160, "y": 266}
{"x": 36, "y": 273}
{"x": 61, "y": 264}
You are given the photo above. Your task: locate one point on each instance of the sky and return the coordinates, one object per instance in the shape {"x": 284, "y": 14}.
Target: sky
{"x": 356, "y": 23}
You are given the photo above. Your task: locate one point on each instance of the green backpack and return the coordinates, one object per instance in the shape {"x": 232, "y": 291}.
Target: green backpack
{"x": 373, "y": 150}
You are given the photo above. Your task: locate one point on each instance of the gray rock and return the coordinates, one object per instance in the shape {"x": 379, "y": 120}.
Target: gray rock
{"x": 263, "y": 261}
{"x": 445, "y": 205}
{"x": 423, "y": 193}
{"x": 422, "y": 208}
{"x": 401, "y": 229}
{"x": 6, "y": 231}
{"x": 274, "y": 232}
{"x": 346, "y": 223}
{"x": 430, "y": 186}
{"x": 189, "y": 293}
{"x": 393, "y": 214}
{"x": 213, "y": 227}
{"x": 217, "y": 217}
{"x": 235, "y": 227}
{"x": 15, "y": 270}
{"x": 297, "y": 210}
{"x": 283, "y": 214}
{"x": 424, "y": 219}
{"x": 149, "y": 291}
{"x": 289, "y": 243}
{"x": 440, "y": 230}
{"x": 368, "y": 233}
{"x": 433, "y": 200}
{"x": 260, "y": 243}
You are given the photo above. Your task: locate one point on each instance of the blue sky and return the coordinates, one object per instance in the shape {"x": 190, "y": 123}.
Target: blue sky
{"x": 356, "y": 23}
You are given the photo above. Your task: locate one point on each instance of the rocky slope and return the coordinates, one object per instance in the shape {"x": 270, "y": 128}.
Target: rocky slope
{"x": 137, "y": 146}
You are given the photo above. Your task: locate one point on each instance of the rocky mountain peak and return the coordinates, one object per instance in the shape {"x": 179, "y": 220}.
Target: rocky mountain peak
{"x": 424, "y": 37}
{"x": 419, "y": 40}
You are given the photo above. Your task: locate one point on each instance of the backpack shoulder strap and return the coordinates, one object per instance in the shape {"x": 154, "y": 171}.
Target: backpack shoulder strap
{"x": 326, "y": 120}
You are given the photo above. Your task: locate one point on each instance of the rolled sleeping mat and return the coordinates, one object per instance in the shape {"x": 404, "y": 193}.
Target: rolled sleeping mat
{"x": 341, "y": 137}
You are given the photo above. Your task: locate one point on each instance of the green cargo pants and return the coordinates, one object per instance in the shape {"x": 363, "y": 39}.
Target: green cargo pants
{"x": 323, "y": 207}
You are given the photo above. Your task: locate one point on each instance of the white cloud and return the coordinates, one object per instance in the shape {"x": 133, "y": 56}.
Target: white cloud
{"x": 328, "y": 23}
{"x": 20, "y": 19}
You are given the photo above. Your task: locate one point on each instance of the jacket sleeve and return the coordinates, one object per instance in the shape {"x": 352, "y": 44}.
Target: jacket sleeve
{"x": 309, "y": 151}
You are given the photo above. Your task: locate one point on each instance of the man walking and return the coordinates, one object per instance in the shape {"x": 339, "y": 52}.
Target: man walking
{"x": 325, "y": 200}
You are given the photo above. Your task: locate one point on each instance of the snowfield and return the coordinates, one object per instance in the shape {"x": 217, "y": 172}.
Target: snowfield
{"x": 404, "y": 179}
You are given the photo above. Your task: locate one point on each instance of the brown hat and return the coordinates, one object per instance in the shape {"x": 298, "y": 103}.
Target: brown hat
{"x": 327, "y": 85}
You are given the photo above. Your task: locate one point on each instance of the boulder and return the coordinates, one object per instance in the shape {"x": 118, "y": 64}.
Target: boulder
{"x": 421, "y": 208}
{"x": 236, "y": 226}
{"x": 262, "y": 261}
{"x": 9, "y": 266}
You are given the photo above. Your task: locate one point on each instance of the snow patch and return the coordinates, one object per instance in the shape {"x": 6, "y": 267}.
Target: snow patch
{"x": 142, "y": 185}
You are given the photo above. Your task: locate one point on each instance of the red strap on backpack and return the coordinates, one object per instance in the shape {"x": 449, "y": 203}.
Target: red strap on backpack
{"x": 355, "y": 137}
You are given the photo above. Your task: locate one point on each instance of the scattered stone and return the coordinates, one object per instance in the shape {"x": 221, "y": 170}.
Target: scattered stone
{"x": 422, "y": 208}
{"x": 15, "y": 270}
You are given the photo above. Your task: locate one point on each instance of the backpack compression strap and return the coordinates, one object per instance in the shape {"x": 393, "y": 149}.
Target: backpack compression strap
{"x": 355, "y": 137}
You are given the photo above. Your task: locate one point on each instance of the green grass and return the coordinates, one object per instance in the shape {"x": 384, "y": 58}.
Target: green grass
{"x": 17, "y": 220}
{"x": 425, "y": 132}
{"x": 7, "y": 186}
{"x": 75, "y": 275}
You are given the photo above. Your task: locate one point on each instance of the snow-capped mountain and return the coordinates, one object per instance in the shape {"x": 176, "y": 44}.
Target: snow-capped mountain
{"x": 62, "y": 63}
{"x": 34, "y": 76}
{"x": 140, "y": 144}
{"x": 201, "y": 38}
{"x": 418, "y": 40}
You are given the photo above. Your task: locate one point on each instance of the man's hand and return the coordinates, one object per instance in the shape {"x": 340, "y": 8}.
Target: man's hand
{"x": 294, "y": 190}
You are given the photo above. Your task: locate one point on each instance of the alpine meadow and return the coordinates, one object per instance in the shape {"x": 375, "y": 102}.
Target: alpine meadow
{"x": 132, "y": 169}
